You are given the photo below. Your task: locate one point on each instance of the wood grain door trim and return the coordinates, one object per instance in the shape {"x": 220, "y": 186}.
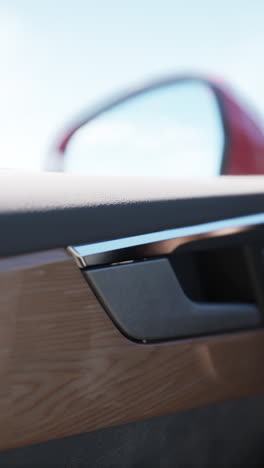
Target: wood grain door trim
{"x": 65, "y": 369}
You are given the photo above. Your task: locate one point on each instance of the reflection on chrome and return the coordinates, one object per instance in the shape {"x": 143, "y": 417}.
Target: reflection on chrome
{"x": 159, "y": 243}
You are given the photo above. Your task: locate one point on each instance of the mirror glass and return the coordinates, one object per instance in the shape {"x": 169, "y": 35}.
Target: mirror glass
{"x": 173, "y": 131}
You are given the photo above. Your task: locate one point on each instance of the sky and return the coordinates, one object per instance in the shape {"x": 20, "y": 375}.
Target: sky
{"x": 60, "y": 57}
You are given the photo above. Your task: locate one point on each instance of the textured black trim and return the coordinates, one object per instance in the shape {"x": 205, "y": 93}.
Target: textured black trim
{"x": 225, "y": 435}
{"x": 43, "y": 211}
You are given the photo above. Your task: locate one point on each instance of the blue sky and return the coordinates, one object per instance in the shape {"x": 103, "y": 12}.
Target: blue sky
{"x": 59, "y": 57}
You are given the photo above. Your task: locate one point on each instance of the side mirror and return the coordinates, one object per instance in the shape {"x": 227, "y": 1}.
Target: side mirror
{"x": 183, "y": 126}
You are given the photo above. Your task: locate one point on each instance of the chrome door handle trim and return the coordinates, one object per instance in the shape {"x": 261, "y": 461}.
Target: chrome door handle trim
{"x": 159, "y": 243}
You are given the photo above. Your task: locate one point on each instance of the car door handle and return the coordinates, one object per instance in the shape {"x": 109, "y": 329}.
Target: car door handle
{"x": 147, "y": 303}
{"x": 180, "y": 283}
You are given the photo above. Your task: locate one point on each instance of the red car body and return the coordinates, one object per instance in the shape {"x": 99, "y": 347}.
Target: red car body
{"x": 245, "y": 135}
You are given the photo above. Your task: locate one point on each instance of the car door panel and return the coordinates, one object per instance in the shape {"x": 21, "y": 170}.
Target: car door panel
{"x": 66, "y": 368}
